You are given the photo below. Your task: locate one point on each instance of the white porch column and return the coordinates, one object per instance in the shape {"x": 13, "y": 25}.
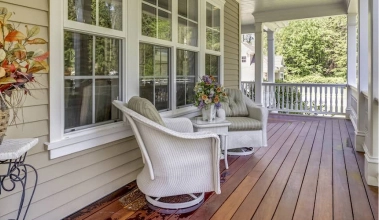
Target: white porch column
{"x": 258, "y": 63}
{"x": 360, "y": 132}
{"x": 351, "y": 58}
{"x": 372, "y": 138}
{"x": 271, "y": 56}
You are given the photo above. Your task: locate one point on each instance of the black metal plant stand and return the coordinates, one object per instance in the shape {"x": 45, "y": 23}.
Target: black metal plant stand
{"x": 17, "y": 172}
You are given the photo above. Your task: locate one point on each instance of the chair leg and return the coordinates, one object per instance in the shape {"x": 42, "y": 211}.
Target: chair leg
{"x": 241, "y": 151}
{"x": 196, "y": 200}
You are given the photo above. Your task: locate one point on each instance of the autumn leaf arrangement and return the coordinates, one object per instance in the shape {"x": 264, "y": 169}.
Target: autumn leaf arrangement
{"x": 19, "y": 60}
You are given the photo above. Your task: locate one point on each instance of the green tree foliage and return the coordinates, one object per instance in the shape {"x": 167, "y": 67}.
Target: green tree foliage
{"x": 316, "y": 47}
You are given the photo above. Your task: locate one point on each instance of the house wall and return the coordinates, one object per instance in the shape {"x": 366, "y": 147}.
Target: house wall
{"x": 69, "y": 183}
{"x": 231, "y": 44}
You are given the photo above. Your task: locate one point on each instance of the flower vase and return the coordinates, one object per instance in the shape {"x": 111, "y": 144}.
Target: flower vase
{"x": 4, "y": 118}
{"x": 209, "y": 113}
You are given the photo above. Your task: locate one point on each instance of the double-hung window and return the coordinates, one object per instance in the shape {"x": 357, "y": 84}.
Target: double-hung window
{"x": 87, "y": 47}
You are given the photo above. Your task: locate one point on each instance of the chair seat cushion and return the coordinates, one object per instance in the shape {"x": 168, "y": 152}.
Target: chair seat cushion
{"x": 243, "y": 124}
{"x": 145, "y": 108}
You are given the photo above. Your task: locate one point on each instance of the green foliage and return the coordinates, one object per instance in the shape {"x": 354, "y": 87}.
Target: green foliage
{"x": 314, "y": 47}
{"x": 314, "y": 79}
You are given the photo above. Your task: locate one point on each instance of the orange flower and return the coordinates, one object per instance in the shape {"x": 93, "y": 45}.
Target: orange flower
{"x": 204, "y": 97}
{"x": 212, "y": 78}
{"x": 218, "y": 89}
{"x": 216, "y": 100}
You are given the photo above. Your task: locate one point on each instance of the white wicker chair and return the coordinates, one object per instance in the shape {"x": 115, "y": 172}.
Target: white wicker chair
{"x": 249, "y": 123}
{"x": 177, "y": 161}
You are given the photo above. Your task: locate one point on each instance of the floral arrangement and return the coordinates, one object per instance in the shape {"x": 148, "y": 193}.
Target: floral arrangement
{"x": 208, "y": 92}
{"x": 17, "y": 62}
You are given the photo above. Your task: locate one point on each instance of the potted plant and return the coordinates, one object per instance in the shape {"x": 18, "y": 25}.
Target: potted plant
{"x": 208, "y": 96}
{"x": 17, "y": 65}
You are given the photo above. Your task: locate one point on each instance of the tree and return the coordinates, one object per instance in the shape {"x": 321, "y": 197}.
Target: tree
{"x": 314, "y": 47}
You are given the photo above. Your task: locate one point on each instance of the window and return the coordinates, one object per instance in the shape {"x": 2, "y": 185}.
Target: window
{"x": 91, "y": 65}
{"x": 185, "y": 77}
{"x": 91, "y": 68}
{"x": 243, "y": 59}
{"x": 213, "y": 27}
{"x": 212, "y": 66}
{"x": 156, "y": 19}
{"x": 188, "y": 22}
{"x": 155, "y": 75}
{"x": 88, "y": 48}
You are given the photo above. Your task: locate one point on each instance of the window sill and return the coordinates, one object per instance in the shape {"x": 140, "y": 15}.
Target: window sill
{"x": 94, "y": 137}
{"x": 89, "y": 138}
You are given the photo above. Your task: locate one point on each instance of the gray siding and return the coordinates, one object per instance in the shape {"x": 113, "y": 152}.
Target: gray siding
{"x": 69, "y": 183}
{"x": 231, "y": 44}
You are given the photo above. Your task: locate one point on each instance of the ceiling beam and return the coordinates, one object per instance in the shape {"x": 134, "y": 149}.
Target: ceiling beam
{"x": 247, "y": 29}
{"x": 301, "y": 13}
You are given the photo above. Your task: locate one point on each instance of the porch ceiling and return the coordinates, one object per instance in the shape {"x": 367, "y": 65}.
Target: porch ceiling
{"x": 282, "y": 10}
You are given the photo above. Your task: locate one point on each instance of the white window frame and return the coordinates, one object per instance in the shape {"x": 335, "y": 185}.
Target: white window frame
{"x": 62, "y": 143}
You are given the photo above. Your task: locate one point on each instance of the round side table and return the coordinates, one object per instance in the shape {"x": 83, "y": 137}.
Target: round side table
{"x": 12, "y": 156}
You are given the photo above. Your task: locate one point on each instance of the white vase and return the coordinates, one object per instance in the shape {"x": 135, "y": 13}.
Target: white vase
{"x": 209, "y": 112}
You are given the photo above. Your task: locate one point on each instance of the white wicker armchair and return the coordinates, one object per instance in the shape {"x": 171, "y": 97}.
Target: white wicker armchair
{"x": 248, "y": 128}
{"x": 177, "y": 161}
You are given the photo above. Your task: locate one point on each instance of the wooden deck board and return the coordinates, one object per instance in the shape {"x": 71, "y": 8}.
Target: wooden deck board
{"x": 308, "y": 171}
{"x": 305, "y": 204}
{"x": 341, "y": 196}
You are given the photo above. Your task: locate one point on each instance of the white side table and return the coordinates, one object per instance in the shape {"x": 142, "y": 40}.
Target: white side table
{"x": 218, "y": 126}
{"x": 12, "y": 154}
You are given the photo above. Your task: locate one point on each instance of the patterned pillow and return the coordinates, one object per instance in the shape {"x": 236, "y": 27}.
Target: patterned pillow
{"x": 234, "y": 104}
{"x": 145, "y": 108}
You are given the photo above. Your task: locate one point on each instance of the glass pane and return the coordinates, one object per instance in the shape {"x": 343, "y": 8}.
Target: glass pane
{"x": 149, "y": 21}
{"x": 165, "y": 4}
{"x": 110, "y": 14}
{"x": 107, "y": 56}
{"x": 182, "y": 31}
{"x": 182, "y": 8}
{"x": 154, "y": 2}
{"x": 154, "y": 75}
{"x": 78, "y": 103}
{"x": 164, "y": 25}
{"x": 106, "y": 90}
{"x": 186, "y": 77}
{"x": 77, "y": 54}
{"x": 213, "y": 27}
{"x": 192, "y": 34}
{"x": 216, "y": 40}
{"x": 212, "y": 65}
{"x": 192, "y": 10}
{"x": 82, "y": 11}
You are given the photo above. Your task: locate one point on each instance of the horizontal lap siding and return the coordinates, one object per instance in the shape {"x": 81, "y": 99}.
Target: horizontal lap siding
{"x": 68, "y": 183}
{"x": 231, "y": 44}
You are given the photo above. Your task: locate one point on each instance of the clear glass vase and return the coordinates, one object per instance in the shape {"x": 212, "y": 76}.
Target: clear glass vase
{"x": 209, "y": 112}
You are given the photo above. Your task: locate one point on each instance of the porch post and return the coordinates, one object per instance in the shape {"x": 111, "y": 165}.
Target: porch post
{"x": 372, "y": 138}
{"x": 360, "y": 132}
{"x": 271, "y": 56}
{"x": 351, "y": 59}
{"x": 258, "y": 63}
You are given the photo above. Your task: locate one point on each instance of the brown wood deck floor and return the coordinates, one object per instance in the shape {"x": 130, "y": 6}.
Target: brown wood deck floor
{"x": 308, "y": 171}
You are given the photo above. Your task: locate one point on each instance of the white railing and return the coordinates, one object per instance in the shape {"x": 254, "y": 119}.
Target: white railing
{"x": 330, "y": 99}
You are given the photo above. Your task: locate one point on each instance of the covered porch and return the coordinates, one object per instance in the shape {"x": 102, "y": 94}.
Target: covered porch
{"x": 309, "y": 170}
